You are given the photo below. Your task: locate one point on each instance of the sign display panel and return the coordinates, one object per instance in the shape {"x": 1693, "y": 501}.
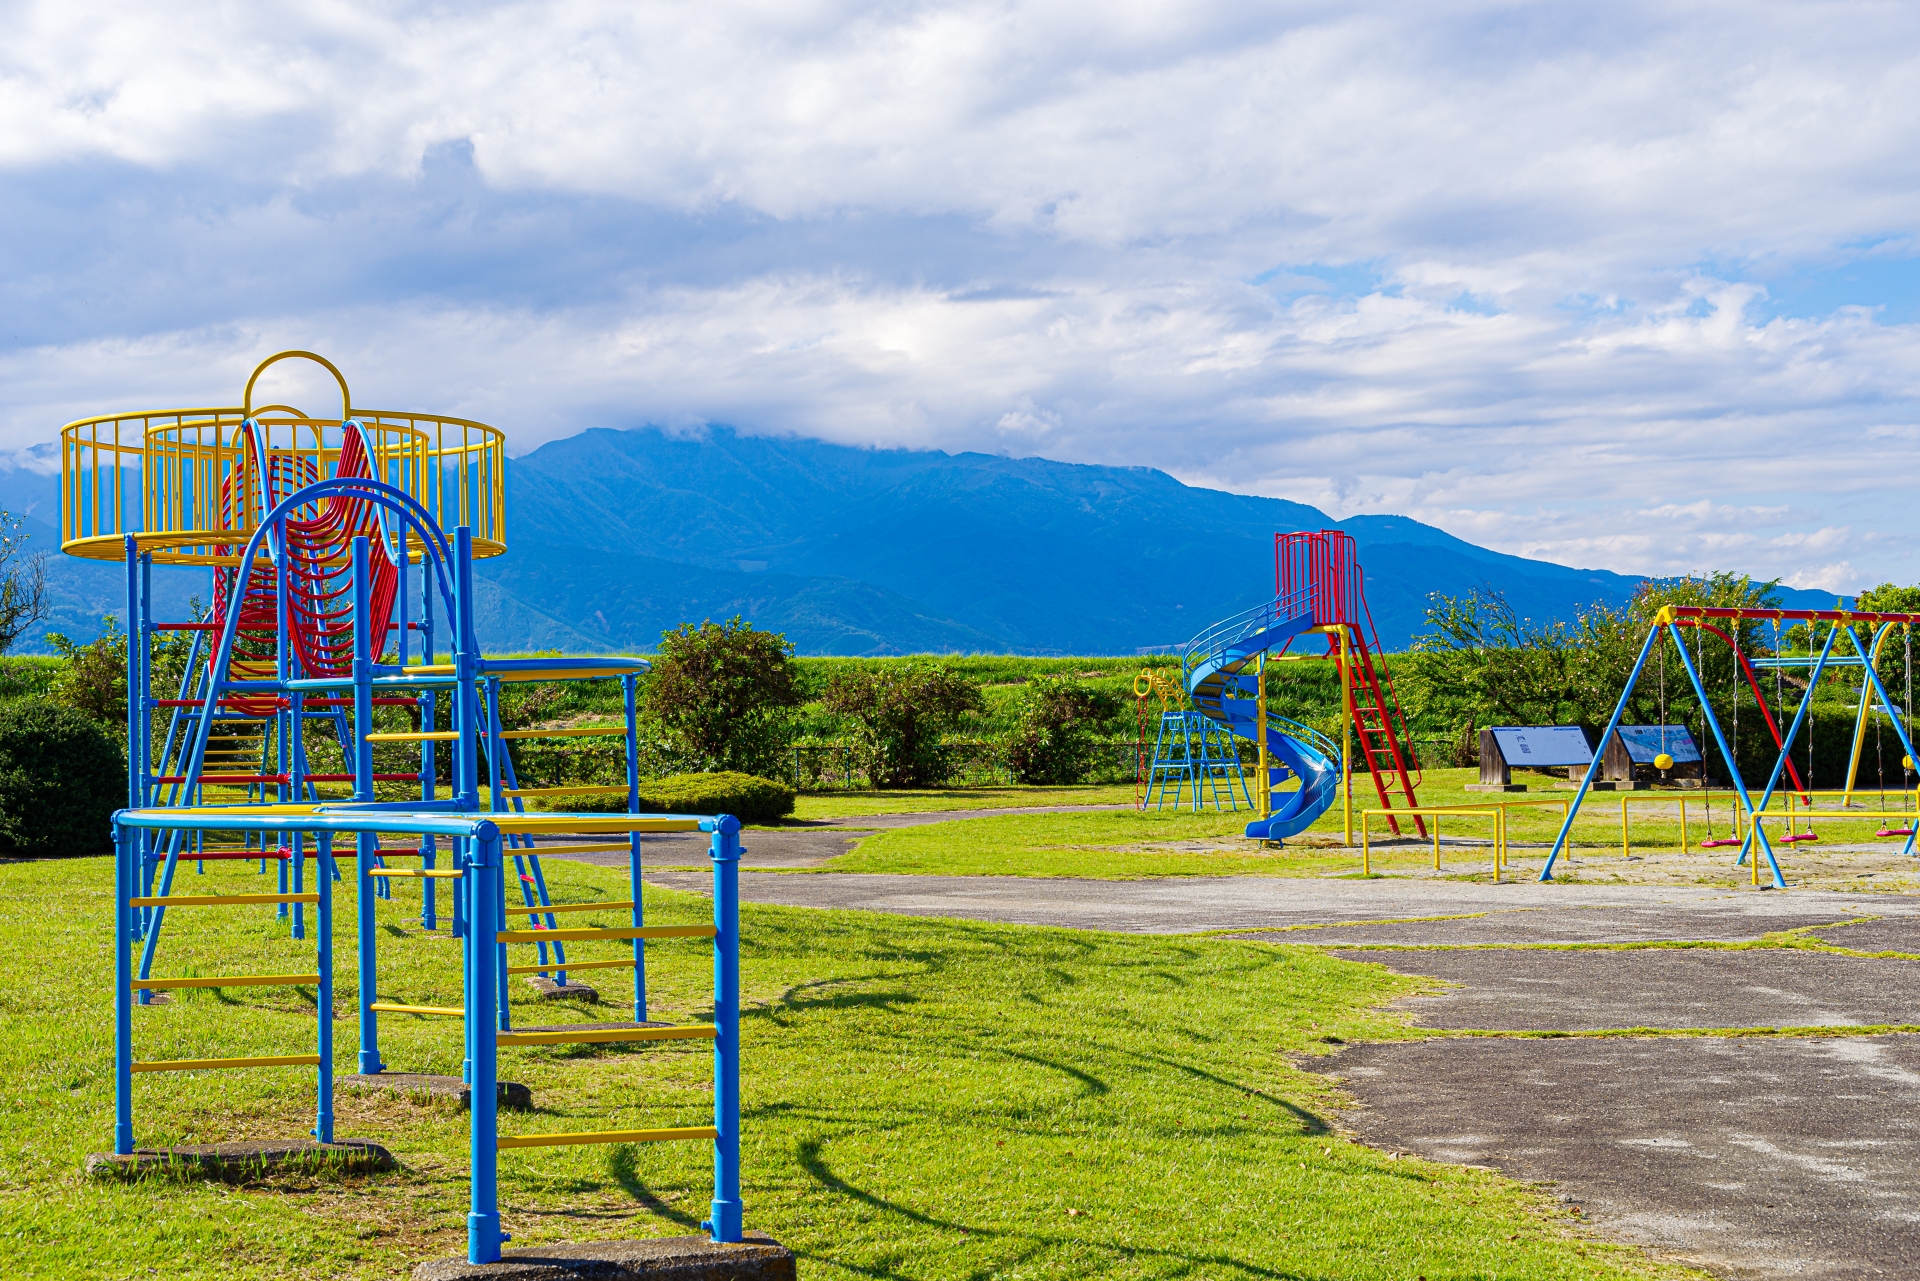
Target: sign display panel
{"x": 1644, "y": 742}
{"x": 1543, "y": 746}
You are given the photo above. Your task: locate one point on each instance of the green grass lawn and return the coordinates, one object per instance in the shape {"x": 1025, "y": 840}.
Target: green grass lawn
{"x": 925, "y": 1098}
{"x": 1125, "y": 844}
{"x": 856, "y": 804}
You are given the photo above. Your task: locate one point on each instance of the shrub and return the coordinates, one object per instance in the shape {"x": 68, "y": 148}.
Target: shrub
{"x": 899, "y": 714}
{"x": 1053, "y": 742}
{"x": 723, "y": 690}
{"x": 62, "y": 775}
{"x": 748, "y": 798}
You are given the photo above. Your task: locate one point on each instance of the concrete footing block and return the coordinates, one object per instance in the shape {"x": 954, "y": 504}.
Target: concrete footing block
{"x": 1496, "y": 787}
{"x": 242, "y": 1160}
{"x": 572, "y": 991}
{"x": 510, "y": 1095}
{"x": 758, "y": 1258}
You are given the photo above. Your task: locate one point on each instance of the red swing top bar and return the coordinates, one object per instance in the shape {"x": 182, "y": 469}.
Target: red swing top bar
{"x": 1795, "y": 615}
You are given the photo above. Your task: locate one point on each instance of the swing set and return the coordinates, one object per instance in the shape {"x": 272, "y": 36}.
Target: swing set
{"x": 1751, "y": 815}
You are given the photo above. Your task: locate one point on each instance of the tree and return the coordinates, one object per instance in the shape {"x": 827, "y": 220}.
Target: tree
{"x": 722, "y": 692}
{"x": 1053, "y": 743}
{"x": 1894, "y": 661}
{"x": 899, "y": 714}
{"x": 23, "y": 582}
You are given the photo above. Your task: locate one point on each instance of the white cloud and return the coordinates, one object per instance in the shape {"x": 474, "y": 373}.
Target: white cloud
{"x": 1004, "y": 225}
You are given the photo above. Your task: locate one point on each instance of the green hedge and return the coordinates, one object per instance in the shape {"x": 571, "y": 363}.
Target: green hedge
{"x": 745, "y": 796}
{"x": 62, "y": 775}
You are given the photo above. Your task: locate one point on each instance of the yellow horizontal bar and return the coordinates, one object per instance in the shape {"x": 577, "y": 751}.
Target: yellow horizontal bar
{"x": 570, "y": 673}
{"x": 570, "y": 907}
{"x": 220, "y": 900}
{"x": 605, "y": 847}
{"x": 585, "y": 731}
{"x": 571, "y": 966}
{"x": 263, "y": 1060}
{"x": 429, "y": 669}
{"x": 608, "y": 1136}
{"x": 445, "y": 1011}
{"x": 417, "y": 873}
{"x": 620, "y": 932}
{"x": 607, "y": 1034}
{"x": 563, "y": 791}
{"x": 231, "y": 980}
{"x": 425, "y": 736}
{"x": 1769, "y": 816}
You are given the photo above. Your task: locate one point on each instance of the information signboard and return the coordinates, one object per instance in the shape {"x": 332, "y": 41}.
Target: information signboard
{"x": 1644, "y": 742}
{"x": 1543, "y": 746}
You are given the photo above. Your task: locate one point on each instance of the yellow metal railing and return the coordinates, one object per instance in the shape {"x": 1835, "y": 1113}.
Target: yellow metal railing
{"x": 186, "y": 484}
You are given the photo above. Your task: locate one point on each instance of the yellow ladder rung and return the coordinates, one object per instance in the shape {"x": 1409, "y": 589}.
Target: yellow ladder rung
{"x": 587, "y": 731}
{"x": 263, "y": 1060}
{"x": 563, "y": 791}
{"x": 417, "y": 873}
{"x": 444, "y": 1011}
{"x": 231, "y": 980}
{"x": 607, "y": 1034}
{"x": 620, "y": 932}
{"x": 219, "y": 900}
{"x": 609, "y": 1136}
{"x": 417, "y": 736}
{"x": 604, "y": 847}
{"x": 571, "y": 966}
{"x": 536, "y": 909}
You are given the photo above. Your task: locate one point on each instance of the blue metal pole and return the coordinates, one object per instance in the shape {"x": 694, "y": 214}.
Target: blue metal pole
{"x": 1900, "y": 730}
{"x": 1586, "y": 784}
{"x": 284, "y": 721}
{"x": 323, "y": 925}
{"x": 485, "y": 903}
{"x": 428, "y": 759}
{"x": 628, "y": 685}
{"x": 365, "y": 843}
{"x": 125, "y": 844}
{"x": 1733, "y": 767}
{"x": 496, "y": 801}
{"x": 1786, "y": 745}
{"x": 725, "y": 1225}
{"x": 465, "y": 660}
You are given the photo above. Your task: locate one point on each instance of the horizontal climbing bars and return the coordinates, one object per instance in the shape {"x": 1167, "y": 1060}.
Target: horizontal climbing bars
{"x": 221, "y": 900}
{"x": 590, "y": 1035}
{"x": 258, "y": 1060}
{"x": 417, "y": 873}
{"x": 563, "y": 791}
{"x": 602, "y": 847}
{"x": 583, "y": 731}
{"x": 231, "y": 980}
{"x": 421, "y": 736}
{"x": 440, "y": 1011}
{"x": 610, "y": 1136}
{"x": 616, "y": 932}
{"x": 571, "y": 907}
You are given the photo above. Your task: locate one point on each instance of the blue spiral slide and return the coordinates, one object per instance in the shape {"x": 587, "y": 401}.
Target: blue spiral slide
{"x": 1221, "y": 678}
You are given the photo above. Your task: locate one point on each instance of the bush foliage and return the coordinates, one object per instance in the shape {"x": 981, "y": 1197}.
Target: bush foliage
{"x": 62, "y": 775}
{"x": 898, "y": 715}
{"x": 1053, "y": 742}
{"x": 748, "y": 798}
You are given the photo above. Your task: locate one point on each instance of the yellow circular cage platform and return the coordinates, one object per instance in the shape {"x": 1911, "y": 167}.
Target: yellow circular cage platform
{"x": 181, "y": 480}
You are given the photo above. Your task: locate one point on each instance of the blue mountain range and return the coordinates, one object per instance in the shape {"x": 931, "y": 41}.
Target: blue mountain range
{"x": 615, "y": 536}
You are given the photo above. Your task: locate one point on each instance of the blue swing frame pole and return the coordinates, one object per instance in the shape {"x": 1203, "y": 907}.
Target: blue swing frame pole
{"x": 1586, "y": 784}
{"x": 1780, "y": 761}
{"x": 1733, "y": 767}
{"x": 1899, "y": 729}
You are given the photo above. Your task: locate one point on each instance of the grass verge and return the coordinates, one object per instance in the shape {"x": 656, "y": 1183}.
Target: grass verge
{"x": 856, "y": 804}
{"x": 925, "y": 1098}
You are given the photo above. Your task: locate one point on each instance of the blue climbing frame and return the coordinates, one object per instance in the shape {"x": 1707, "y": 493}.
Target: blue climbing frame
{"x": 483, "y": 843}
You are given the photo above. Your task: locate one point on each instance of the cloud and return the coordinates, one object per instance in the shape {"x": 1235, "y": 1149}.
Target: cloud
{"x": 1504, "y": 268}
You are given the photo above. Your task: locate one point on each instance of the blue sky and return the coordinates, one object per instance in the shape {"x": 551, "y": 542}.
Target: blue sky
{"x": 1635, "y": 285}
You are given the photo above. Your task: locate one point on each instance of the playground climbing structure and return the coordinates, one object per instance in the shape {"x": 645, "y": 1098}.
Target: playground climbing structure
{"x": 342, "y": 556}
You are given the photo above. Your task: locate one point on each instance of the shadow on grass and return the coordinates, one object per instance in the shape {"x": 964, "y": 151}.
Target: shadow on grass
{"x": 623, "y": 1166}
{"x": 1030, "y": 1244}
